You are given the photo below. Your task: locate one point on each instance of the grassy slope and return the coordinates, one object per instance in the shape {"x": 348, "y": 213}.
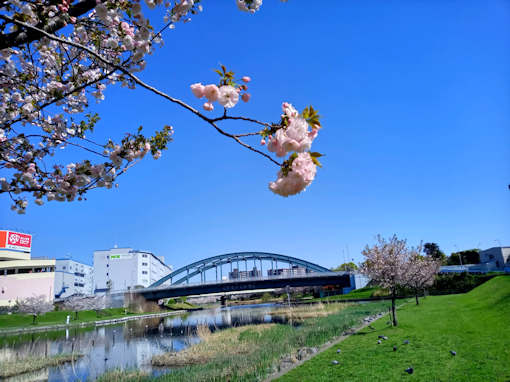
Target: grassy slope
{"x": 357, "y": 293}
{"x": 53, "y": 318}
{"x": 476, "y": 325}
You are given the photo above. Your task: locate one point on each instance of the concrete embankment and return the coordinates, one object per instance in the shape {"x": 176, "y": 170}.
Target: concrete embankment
{"x": 112, "y": 321}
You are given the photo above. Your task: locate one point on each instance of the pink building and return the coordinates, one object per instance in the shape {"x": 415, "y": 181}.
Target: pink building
{"x": 21, "y": 276}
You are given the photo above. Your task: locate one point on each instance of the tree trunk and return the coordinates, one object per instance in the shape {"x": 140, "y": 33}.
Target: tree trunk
{"x": 417, "y": 301}
{"x": 34, "y": 316}
{"x": 393, "y": 310}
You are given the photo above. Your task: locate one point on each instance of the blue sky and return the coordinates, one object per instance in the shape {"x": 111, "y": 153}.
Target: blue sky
{"x": 415, "y": 100}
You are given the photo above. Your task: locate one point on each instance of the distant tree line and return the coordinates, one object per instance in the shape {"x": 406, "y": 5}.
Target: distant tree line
{"x": 470, "y": 256}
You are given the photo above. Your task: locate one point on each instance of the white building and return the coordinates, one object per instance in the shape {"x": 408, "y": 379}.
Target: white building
{"x": 497, "y": 257}
{"x": 121, "y": 269}
{"x": 72, "y": 277}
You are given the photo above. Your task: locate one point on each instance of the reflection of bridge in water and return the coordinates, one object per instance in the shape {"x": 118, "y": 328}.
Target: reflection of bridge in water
{"x": 299, "y": 273}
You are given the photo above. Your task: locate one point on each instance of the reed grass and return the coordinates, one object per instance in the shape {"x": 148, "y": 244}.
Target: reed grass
{"x": 26, "y": 365}
{"x": 302, "y": 312}
{"x": 225, "y": 343}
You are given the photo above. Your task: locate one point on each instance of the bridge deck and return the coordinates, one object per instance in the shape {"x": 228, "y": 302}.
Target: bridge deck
{"x": 314, "y": 279}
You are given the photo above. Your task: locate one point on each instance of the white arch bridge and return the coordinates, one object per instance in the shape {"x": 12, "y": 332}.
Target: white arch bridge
{"x": 298, "y": 273}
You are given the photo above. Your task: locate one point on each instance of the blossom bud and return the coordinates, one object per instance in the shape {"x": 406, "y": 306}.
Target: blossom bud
{"x": 246, "y": 79}
{"x": 262, "y": 141}
{"x": 246, "y": 97}
{"x": 208, "y": 106}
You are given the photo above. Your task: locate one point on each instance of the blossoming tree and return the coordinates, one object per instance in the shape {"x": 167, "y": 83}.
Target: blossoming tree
{"x": 76, "y": 304}
{"x": 391, "y": 264}
{"x": 35, "y": 306}
{"x": 421, "y": 272}
{"x": 56, "y": 56}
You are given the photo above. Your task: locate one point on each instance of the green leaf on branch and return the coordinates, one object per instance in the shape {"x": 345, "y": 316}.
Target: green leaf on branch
{"x": 316, "y": 162}
{"x": 311, "y": 116}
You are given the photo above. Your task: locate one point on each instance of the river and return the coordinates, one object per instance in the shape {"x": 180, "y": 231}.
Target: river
{"x": 129, "y": 345}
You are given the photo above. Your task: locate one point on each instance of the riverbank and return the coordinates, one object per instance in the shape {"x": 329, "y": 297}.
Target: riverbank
{"x": 474, "y": 326}
{"x": 17, "y": 367}
{"x": 83, "y": 321}
{"x": 254, "y": 352}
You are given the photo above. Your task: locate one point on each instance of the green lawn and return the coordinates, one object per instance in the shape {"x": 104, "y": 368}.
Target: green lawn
{"x": 476, "y": 325}
{"x": 361, "y": 293}
{"x": 53, "y": 318}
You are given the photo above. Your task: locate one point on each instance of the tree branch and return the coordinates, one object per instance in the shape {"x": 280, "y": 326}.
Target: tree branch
{"x": 18, "y": 38}
{"x": 149, "y": 87}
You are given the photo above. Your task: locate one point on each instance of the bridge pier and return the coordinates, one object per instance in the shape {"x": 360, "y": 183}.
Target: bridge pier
{"x": 223, "y": 300}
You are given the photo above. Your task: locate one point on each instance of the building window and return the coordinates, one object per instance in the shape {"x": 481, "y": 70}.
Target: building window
{"x": 144, "y": 256}
{"x": 107, "y": 274}
{"x": 144, "y": 264}
{"x": 144, "y": 272}
{"x": 64, "y": 267}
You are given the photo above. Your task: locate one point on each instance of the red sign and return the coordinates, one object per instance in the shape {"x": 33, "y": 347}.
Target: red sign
{"x": 15, "y": 240}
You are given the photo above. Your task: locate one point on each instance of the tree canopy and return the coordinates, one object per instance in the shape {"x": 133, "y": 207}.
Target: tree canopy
{"x": 350, "y": 266}
{"x": 432, "y": 250}
{"x": 57, "y": 57}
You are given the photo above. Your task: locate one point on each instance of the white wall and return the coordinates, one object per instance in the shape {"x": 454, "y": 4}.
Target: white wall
{"x": 126, "y": 268}
{"x": 69, "y": 273}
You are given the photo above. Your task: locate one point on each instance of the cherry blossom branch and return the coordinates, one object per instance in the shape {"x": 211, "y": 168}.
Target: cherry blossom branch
{"x": 18, "y": 38}
{"x": 74, "y": 90}
{"x": 56, "y": 140}
{"x": 225, "y": 117}
{"x": 148, "y": 87}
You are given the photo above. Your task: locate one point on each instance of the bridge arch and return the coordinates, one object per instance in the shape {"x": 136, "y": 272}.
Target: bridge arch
{"x": 184, "y": 274}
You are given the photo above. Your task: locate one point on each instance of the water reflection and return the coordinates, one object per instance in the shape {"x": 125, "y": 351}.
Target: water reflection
{"x": 125, "y": 346}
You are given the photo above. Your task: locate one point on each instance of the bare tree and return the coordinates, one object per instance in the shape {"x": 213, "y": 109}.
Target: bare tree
{"x": 35, "y": 306}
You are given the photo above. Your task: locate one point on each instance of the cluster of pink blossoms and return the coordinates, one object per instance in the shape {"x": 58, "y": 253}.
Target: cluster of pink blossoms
{"x": 226, "y": 95}
{"x": 291, "y": 136}
{"x": 294, "y": 137}
{"x": 301, "y": 174}
{"x": 251, "y": 6}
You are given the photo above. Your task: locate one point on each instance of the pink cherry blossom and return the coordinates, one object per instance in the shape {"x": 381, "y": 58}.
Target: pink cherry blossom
{"x": 251, "y": 6}
{"x": 198, "y": 90}
{"x": 228, "y": 96}
{"x": 289, "y": 110}
{"x": 296, "y": 136}
{"x": 211, "y": 92}
{"x": 276, "y": 142}
{"x": 208, "y": 106}
{"x": 300, "y": 176}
